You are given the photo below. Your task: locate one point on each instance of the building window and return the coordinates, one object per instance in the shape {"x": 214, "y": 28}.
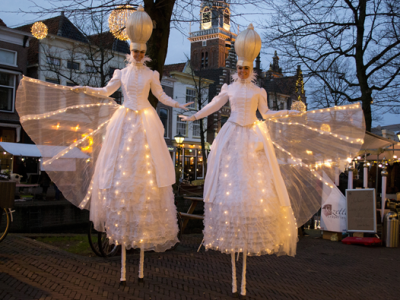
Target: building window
{"x": 281, "y": 106}
{"x": 55, "y": 81}
{"x": 202, "y": 59}
{"x": 181, "y": 126}
{"x": 71, "y": 84}
{"x": 8, "y": 57}
{"x": 206, "y": 60}
{"x": 164, "y": 120}
{"x": 7, "y": 91}
{"x": 206, "y": 15}
{"x": 191, "y": 97}
{"x": 53, "y": 61}
{"x": 196, "y": 128}
{"x": 91, "y": 69}
{"x": 204, "y": 43}
{"x": 73, "y": 65}
{"x": 227, "y": 17}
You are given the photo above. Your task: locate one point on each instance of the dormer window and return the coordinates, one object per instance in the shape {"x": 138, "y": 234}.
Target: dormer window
{"x": 206, "y": 18}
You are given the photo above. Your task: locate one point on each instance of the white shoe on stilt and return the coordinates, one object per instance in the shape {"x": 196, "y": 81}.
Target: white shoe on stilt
{"x": 234, "y": 284}
{"x": 122, "y": 281}
{"x": 243, "y": 288}
{"x": 141, "y": 262}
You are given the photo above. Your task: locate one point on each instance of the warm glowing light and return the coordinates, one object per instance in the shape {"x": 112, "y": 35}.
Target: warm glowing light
{"x": 39, "y": 30}
{"x": 326, "y": 128}
{"x": 117, "y": 21}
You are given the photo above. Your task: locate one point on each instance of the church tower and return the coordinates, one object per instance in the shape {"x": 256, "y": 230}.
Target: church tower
{"x": 210, "y": 45}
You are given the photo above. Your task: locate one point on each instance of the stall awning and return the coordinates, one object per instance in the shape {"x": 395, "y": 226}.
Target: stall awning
{"x": 373, "y": 141}
{"x": 30, "y": 150}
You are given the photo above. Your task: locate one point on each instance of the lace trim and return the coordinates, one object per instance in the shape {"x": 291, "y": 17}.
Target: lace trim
{"x": 131, "y": 61}
{"x": 251, "y": 79}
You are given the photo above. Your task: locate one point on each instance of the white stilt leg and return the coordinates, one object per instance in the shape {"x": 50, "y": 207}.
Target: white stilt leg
{"x": 234, "y": 285}
{"x": 141, "y": 262}
{"x": 243, "y": 289}
{"x": 123, "y": 263}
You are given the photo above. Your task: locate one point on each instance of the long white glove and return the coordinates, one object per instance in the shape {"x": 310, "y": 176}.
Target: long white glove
{"x": 79, "y": 89}
{"x": 183, "y": 106}
{"x": 188, "y": 118}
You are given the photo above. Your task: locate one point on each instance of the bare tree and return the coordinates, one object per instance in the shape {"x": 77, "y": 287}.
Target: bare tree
{"x": 164, "y": 13}
{"x": 96, "y": 54}
{"x": 325, "y": 95}
{"x": 365, "y": 34}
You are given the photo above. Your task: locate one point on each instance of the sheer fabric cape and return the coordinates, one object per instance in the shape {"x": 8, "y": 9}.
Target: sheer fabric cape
{"x": 54, "y": 115}
{"x": 299, "y": 149}
{"x": 309, "y": 144}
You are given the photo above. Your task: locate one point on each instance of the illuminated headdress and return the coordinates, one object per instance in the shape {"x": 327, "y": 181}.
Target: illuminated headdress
{"x": 139, "y": 28}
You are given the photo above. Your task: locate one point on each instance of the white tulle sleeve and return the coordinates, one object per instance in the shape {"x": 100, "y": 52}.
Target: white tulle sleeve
{"x": 264, "y": 110}
{"x": 110, "y": 88}
{"x": 215, "y": 104}
{"x": 157, "y": 91}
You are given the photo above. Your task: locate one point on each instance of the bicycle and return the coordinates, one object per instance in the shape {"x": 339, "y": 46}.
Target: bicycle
{"x": 99, "y": 243}
{"x": 7, "y": 189}
{"x": 6, "y": 217}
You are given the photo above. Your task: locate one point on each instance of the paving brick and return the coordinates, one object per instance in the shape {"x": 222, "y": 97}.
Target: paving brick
{"x": 320, "y": 270}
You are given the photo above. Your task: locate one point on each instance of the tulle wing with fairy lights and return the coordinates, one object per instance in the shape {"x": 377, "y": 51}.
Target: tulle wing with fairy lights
{"x": 313, "y": 142}
{"x": 68, "y": 129}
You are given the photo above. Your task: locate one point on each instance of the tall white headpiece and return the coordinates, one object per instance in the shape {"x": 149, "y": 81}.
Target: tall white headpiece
{"x": 247, "y": 46}
{"x": 139, "y": 28}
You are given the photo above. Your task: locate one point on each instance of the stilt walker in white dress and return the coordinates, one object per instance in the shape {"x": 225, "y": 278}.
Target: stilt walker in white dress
{"x": 263, "y": 179}
{"x": 115, "y": 161}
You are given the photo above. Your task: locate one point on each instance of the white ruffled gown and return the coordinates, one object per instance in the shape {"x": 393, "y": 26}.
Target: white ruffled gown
{"x": 131, "y": 186}
{"x": 244, "y": 211}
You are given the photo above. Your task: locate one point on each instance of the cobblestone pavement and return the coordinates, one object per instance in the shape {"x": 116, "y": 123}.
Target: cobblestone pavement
{"x": 321, "y": 270}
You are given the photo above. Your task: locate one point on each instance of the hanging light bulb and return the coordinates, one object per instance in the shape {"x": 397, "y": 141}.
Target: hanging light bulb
{"x": 39, "y": 30}
{"x": 299, "y": 105}
{"x": 117, "y": 20}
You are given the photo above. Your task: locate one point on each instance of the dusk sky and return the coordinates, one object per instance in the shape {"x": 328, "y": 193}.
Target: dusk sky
{"x": 179, "y": 45}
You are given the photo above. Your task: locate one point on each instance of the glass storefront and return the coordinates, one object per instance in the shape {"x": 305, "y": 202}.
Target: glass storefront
{"x": 190, "y": 162}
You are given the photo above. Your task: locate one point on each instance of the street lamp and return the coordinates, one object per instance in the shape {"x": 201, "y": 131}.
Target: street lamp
{"x": 179, "y": 138}
{"x": 398, "y": 136}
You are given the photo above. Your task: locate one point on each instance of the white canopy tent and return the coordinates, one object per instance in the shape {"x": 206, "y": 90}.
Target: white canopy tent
{"x": 67, "y": 163}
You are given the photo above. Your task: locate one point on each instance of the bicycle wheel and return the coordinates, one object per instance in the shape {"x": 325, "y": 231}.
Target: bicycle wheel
{"x": 4, "y": 223}
{"x": 93, "y": 239}
{"x": 106, "y": 249}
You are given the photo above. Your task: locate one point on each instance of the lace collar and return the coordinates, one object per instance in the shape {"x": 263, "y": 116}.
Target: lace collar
{"x": 137, "y": 65}
{"x": 251, "y": 79}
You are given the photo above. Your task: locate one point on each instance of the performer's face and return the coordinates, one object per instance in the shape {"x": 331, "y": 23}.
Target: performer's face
{"x": 138, "y": 55}
{"x": 243, "y": 72}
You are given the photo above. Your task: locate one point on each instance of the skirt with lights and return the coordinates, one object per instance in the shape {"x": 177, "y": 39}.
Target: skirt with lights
{"x": 138, "y": 213}
{"x": 246, "y": 215}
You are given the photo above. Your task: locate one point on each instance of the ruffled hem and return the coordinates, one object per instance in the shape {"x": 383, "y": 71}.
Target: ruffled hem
{"x": 137, "y": 212}
{"x": 246, "y": 214}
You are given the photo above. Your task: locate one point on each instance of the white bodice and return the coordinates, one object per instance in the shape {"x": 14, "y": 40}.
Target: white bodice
{"x": 135, "y": 82}
{"x": 245, "y": 98}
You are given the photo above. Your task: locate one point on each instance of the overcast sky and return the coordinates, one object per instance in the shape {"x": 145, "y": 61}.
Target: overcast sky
{"x": 179, "y": 45}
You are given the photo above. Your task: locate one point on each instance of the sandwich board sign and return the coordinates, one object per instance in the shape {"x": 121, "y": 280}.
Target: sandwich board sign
{"x": 361, "y": 210}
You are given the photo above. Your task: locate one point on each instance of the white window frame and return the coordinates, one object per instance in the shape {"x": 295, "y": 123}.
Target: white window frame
{"x": 182, "y": 127}
{"x": 196, "y": 124}
{"x": 194, "y": 98}
{"x": 49, "y": 61}
{"x": 203, "y": 43}
{"x": 14, "y": 89}
{"x": 15, "y": 58}
{"x": 74, "y": 62}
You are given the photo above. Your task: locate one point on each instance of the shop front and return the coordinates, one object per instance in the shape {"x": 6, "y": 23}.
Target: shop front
{"x": 189, "y": 161}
